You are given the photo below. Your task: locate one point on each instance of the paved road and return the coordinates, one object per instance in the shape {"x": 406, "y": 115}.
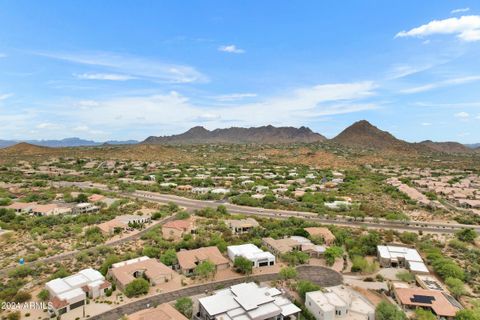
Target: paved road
{"x": 192, "y": 204}
{"x": 368, "y": 222}
{"x": 322, "y": 276}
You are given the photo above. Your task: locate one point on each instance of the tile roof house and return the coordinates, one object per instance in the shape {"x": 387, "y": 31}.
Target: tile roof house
{"x": 122, "y": 222}
{"x": 22, "y": 207}
{"x": 323, "y": 233}
{"x": 176, "y": 229}
{"x": 95, "y": 197}
{"x": 293, "y": 243}
{"x": 49, "y": 209}
{"x": 189, "y": 259}
{"x": 439, "y": 302}
{"x": 161, "y": 312}
{"x": 242, "y": 226}
{"x": 126, "y": 271}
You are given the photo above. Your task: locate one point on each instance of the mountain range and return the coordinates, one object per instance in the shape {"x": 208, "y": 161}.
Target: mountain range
{"x": 260, "y": 135}
{"x": 67, "y": 142}
{"x": 361, "y": 135}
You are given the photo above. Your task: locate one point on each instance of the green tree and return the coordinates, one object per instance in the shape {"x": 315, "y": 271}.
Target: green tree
{"x": 169, "y": 257}
{"x": 205, "y": 269}
{"x": 185, "y": 306}
{"x": 221, "y": 209}
{"x": 82, "y": 197}
{"x": 150, "y": 251}
{"x": 387, "y": 311}
{"x": 421, "y": 314}
{"x": 456, "y": 286}
{"x": 14, "y": 315}
{"x": 137, "y": 287}
{"x": 182, "y": 215}
{"x": 408, "y": 237}
{"x": 243, "y": 265}
{"x": 467, "y": 314}
{"x": 43, "y": 295}
{"x": 107, "y": 263}
{"x": 288, "y": 273}
{"x": 20, "y": 272}
{"x": 305, "y": 286}
{"x": 331, "y": 254}
{"x": 22, "y": 296}
{"x": 466, "y": 235}
{"x": 405, "y": 276}
{"x": 295, "y": 257}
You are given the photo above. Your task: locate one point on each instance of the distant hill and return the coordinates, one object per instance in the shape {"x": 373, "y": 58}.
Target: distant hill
{"x": 473, "y": 145}
{"x": 257, "y": 135}
{"x": 25, "y": 148}
{"x": 67, "y": 142}
{"x": 363, "y": 134}
{"x": 447, "y": 147}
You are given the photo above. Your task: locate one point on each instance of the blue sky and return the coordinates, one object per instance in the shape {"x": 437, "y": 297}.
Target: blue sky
{"x": 129, "y": 69}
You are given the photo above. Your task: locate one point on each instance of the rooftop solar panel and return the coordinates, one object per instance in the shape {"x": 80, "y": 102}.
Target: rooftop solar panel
{"x": 422, "y": 299}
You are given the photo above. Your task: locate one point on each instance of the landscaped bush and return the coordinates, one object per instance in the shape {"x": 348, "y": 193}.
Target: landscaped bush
{"x": 137, "y": 287}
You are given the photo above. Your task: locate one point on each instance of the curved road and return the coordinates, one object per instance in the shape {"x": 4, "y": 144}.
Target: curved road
{"x": 71, "y": 254}
{"x": 322, "y": 276}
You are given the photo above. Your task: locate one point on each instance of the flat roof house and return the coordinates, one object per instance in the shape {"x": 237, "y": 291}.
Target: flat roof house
{"x": 439, "y": 302}
{"x": 161, "y": 312}
{"x": 85, "y": 208}
{"x": 188, "y": 260}
{"x": 337, "y": 303}
{"x": 126, "y": 271}
{"x": 250, "y": 251}
{"x": 247, "y": 301}
{"x": 242, "y": 226}
{"x": 395, "y": 256}
{"x": 71, "y": 292}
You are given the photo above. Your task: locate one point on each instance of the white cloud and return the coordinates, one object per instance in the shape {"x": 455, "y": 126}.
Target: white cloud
{"x": 441, "y": 84}
{"x": 138, "y": 67}
{"x": 5, "y": 96}
{"x": 49, "y": 126}
{"x": 87, "y": 130}
{"x": 448, "y": 105}
{"x": 426, "y": 124}
{"x": 460, "y": 10}
{"x": 405, "y": 70}
{"x": 87, "y": 103}
{"x": 104, "y": 76}
{"x": 174, "y": 112}
{"x": 234, "y": 96}
{"x": 462, "y": 115}
{"x": 128, "y": 116}
{"x": 467, "y": 28}
{"x": 231, "y": 49}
